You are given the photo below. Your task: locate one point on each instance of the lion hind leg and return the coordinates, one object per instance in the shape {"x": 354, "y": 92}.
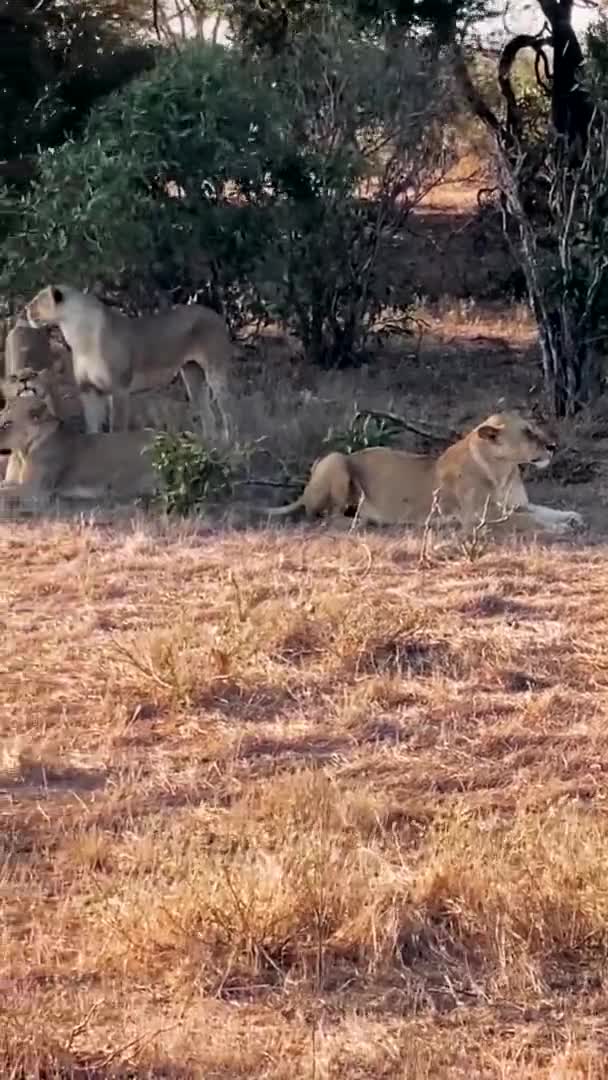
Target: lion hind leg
{"x": 222, "y": 401}
{"x": 208, "y": 390}
{"x": 330, "y": 489}
{"x": 197, "y": 390}
{"x": 120, "y": 410}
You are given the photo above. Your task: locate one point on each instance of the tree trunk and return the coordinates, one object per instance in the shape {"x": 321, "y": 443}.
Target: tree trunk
{"x": 570, "y": 105}
{"x": 571, "y": 368}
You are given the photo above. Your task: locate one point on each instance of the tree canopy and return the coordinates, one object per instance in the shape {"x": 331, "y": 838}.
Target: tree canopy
{"x": 57, "y": 58}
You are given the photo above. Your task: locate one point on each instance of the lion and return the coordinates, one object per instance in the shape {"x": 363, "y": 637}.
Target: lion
{"x": 113, "y": 354}
{"x": 26, "y": 347}
{"x": 59, "y": 463}
{"x": 27, "y": 382}
{"x": 30, "y": 382}
{"x": 476, "y": 479}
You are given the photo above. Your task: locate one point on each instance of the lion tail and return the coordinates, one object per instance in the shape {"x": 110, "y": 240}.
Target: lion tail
{"x": 283, "y": 511}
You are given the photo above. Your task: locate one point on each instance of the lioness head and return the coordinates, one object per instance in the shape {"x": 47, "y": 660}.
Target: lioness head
{"x": 46, "y": 307}
{"x": 25, "y": 383}
{"x": 510, "y": 436}
{"x": 23, "y": 422}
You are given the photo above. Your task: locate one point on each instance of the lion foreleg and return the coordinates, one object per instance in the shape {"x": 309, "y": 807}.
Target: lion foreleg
{"x": 14, "y": 468}
{"x": 515, "y": 496}
{"x": 95, "y": 406}
{"x": 553, "y": 520}
{"x": 516, "y": 502}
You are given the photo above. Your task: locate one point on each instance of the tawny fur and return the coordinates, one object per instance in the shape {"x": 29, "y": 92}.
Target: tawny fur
{"x": 26, "y": 347}
{"x": 59, "y": 463}
{"x": 30, "y": 383}
{"x": 478, "y": 478}
{"x": 113, "y": 354}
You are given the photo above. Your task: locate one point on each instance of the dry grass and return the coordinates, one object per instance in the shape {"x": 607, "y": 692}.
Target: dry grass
{"x": 288, "y": 804}
{"x": 295, "y": 804}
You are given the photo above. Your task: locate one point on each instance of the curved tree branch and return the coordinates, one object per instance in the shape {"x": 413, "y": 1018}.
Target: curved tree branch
{"x": 505, "y": 66}
{"x": 474, "y": 96}
{"x": 544, "y": 80}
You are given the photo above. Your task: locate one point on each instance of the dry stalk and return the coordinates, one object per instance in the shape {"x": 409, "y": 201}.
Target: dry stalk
{"x": 477, "y": 545}
{"x": 145, "y": 669}
{"x": 435, "y": 510}
{"x": 355, "y": 520}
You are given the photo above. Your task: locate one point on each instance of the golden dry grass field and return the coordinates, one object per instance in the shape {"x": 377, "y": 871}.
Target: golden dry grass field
{"x": 289, "y": 804}
{"x": 297, "y": 803}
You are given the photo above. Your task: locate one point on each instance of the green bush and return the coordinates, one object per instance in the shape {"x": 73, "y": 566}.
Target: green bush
{"x": 189, "y": 473}
{"x": 270, "y": 190}
{"x": 139, "y": 205}
{"x": 366, "y": 124}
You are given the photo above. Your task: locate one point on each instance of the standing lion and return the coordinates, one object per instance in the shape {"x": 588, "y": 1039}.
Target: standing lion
{"x": 113, "y": 354}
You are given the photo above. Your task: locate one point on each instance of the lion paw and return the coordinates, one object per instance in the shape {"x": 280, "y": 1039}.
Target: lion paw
{"x": 569, "y": 521}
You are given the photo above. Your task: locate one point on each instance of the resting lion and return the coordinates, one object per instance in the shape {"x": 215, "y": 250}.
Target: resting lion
{"x": 476, "y": 479}
{"x": 27, "y": 383}
{"x": 113, "y": 354}
{"x": 57, "y": 462}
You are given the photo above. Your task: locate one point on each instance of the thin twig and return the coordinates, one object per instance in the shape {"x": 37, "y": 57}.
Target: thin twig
{"x": 145, "y": 669}
{"x": 474, "y": 547}
{"x": 140, "y": 1041}
{"x": 355, "y": 520}
{"x": 423, "y": 558}
{"x": 82, "y": 1025}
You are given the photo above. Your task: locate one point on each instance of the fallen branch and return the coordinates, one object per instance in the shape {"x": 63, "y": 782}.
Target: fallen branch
{"x": 252, "y": 482}
{"x": 409, "y": 425}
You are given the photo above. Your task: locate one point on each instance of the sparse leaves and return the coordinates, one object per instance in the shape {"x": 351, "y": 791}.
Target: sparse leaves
{"x": 190, "y": 474}
{"x": 364, "y": 430}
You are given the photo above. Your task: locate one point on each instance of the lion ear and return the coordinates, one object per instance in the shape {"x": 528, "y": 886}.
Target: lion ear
{"x": 489, "y": 431}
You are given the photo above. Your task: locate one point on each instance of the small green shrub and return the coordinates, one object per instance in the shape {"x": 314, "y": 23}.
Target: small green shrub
{"x": 190, "y": 474}
{"x": 365, "y": 430}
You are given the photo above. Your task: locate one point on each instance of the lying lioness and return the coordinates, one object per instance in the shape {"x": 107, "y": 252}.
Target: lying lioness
{"x": 27, "y": 383}
{"x": 57, "y": 462}
{"x": 476, "y": 479}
